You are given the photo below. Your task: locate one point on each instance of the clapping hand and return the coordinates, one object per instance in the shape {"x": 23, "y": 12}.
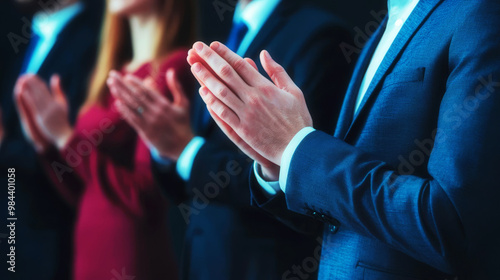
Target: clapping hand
{"x": 258, "y": 115}
{"x": 43, "y": 111}
{"x": 161, "y": 123}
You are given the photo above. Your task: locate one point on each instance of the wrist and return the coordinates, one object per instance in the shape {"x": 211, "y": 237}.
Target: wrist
{"x": 270, "y": 173}
{"x": 63, "y": 138}
{"x": 285, "y": 144}
{"x": 173, "y": 153}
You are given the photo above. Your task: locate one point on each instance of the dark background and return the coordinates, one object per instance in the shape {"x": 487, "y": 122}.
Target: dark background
{"x": 353, "y": 12}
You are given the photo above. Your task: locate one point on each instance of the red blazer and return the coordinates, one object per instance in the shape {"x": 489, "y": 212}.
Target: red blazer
{"x": 105, "y": 172}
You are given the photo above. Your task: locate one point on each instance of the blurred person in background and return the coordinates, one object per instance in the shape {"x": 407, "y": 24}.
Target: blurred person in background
{"x": 100, "y": 165}
{"x": 227, "y": 238}
{"x": 43, "y": 38}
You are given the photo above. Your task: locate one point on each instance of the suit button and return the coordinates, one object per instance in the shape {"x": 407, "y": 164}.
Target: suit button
{"x": 314, "y": 213}
{"x": 333, "y": 228}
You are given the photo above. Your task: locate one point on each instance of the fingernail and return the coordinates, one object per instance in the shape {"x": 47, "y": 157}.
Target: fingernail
{"x": 198, "y": 46}
{"x": 215, "y": 45}
{"x": 114, "y": 74}
{"x": 203, "y": 91}
{"x": 267, "y": 55}
{"x": 196, "y": 67}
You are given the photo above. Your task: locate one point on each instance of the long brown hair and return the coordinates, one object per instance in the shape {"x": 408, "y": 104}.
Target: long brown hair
{"x": 176, "y": 29}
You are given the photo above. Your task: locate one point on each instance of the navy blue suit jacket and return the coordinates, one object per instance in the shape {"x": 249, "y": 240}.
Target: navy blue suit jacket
{"x": 226, "y": 237}
{"x": 409, "y": 185}
{"x": 45, "y": 221}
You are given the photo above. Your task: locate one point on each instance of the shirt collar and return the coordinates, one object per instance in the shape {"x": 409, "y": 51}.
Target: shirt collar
{"x": 49, "y": 25}
{"x": 396, "y": 7}
{"x": 255, "y": 13}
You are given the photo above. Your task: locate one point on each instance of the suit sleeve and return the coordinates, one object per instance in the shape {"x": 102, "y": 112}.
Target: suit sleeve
{"x": 69, "y": 185}
{"x": 442, "y": 220}
{"x": 220, "y": 171}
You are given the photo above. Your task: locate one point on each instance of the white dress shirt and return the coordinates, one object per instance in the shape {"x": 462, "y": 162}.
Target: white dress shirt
{"x": 254, "y": 15}
{"x": 48, "y": 27}
{"x": 399, "y": 11}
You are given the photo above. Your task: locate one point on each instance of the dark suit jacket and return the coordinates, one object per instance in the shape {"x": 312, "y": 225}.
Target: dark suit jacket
{"x": 400, "y": 201}
{"x": 226, "y": 237}
{"x": 45, "y": 221}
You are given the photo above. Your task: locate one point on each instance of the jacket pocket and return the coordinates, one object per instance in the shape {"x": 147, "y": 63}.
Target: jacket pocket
{"x": 404, "y": 76}
{"x": 373, "y": 272}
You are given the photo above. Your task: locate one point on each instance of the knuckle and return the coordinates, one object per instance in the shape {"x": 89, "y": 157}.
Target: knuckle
{"x": 210, "y": 100}
{"x": 245, "y": 132}
{"x": 203, "y": 75}
{"x": 239, "y": 64}
{"x": 254, "y": 100}
{"x": 226, "y": 71}
{"x": 279, "y": 69}
{"x": 266, "y": 89}
{"x": 206, "y": 52}
{"x": 223, "y": 113}
{"x": 221, "y": 92}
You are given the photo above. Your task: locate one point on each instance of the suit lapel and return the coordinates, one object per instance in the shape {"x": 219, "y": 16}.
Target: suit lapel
{"x": 347, "y": 111}
{"x": 411, "y": 26}
{"x": 275, "y": 20}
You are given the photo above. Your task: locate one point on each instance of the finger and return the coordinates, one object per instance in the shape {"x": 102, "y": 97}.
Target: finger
{"x": 220, "y": 109}
{"x": 277, "y": 73}
{"x": 121, "y": 91}
{"x": 151, "y": 84}
{"x": 222, "y": 68}
{"x": 129, "y": 115}
{"x": 193, "y": 57}
{"x": 23, "y": 115}
{"x": 38, "y": 92}
{"x": 139, "y": 90}
{"x": 219, "y": 89}
{"x": 178, "y": 93}
{"x": 25, "y": 93}
{"x": 244, "y": 69}
{"x": 30, "y": 127}
{"x": 251, "y": 62}
{"x": 237, "y": 140}
{"x": 55, "y": 86}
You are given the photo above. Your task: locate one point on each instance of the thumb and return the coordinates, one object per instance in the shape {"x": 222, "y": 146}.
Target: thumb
{"x": 55, "y": 86}
{"x": 277, "y": 73}
{"x": 178, "y": 94}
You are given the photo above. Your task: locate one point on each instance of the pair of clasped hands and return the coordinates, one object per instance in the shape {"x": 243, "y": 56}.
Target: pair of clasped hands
{"x": 259, "y": 115}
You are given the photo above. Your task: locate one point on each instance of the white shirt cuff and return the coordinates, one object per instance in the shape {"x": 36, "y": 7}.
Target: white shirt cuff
{"x": 286, "y": 158}
{"x": 186, "y": 159}
{"x": 161, "y": 161}
{"x": 270, "y": 188}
